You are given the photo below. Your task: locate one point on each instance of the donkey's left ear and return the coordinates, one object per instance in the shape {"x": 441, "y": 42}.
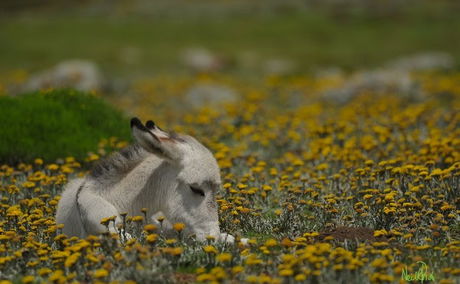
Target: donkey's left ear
{"x": 155, "y": 140}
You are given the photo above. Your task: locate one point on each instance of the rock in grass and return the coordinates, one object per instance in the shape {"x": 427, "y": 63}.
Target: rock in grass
{"x": 423, "y": 62}
{"x": 207, "y": 94}
{"x": 200, "y": 59}
{"x": 82, "y": 75}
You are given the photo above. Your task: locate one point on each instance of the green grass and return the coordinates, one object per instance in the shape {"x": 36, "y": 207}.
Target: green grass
{"x": 310, "y": 39}
{"x": 55, "y": 125}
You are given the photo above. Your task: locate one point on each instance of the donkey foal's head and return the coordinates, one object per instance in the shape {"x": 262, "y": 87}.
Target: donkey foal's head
{"x": 186, "y": 182}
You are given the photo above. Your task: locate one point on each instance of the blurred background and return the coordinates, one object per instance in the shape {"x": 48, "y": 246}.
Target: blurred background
{"x": 131, "y": 38}
{"x": 162, "y": 59}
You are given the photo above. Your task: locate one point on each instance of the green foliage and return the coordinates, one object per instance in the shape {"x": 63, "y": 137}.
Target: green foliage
{"x": 56, "y": 124}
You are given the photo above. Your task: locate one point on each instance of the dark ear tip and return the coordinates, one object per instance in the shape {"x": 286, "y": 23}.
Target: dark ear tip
{"x": 150, "y": 124}
{"x": 135, "y": 122}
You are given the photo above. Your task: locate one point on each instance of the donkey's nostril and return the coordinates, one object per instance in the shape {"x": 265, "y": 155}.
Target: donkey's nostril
{"x": 150, "y": 124}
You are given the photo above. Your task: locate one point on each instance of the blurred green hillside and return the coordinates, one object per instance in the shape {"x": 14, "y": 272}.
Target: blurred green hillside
{"x": 153, "y": 36}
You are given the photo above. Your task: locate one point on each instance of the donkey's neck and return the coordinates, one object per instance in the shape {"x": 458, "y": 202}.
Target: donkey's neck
{"x": 145, "y": 186}
{"x": 162, "y": 179}
{"x": 132, "y": 179}
{"x": 115, "y": 167}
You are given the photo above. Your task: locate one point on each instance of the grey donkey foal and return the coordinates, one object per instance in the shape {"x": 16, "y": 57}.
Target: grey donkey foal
{"x": 169, "y": 173}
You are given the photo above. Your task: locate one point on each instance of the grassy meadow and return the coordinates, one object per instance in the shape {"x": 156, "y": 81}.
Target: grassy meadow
{"x": 328, "y": 187}
{"x": 298, "y": 180}
{"x": 312, "y": 38}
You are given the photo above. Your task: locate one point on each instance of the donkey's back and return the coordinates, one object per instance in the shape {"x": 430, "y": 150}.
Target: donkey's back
{"x": 67, "y": 210}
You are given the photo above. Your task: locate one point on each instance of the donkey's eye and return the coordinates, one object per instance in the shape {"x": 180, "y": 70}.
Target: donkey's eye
{"x": 197, "y": 190}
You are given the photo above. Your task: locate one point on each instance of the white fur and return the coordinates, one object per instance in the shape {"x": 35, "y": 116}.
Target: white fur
{"x": 156, "y": 175}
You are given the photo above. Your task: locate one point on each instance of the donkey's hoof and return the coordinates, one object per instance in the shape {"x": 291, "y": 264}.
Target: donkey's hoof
{"x": 127, "y": 237}
{"x": 244, "y": 241}
{"x": 227, "y": 238}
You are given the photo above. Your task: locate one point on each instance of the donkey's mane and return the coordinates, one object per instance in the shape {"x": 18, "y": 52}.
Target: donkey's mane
{"x": 119, "y": 163}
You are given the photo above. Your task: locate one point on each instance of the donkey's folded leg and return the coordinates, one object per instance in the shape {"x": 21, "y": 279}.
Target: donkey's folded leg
{"x": 165, "y": 226}
{"x": 93, "y": 208}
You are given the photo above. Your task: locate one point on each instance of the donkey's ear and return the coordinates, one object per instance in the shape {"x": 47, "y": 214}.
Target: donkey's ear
{"x": 155, "y": 140}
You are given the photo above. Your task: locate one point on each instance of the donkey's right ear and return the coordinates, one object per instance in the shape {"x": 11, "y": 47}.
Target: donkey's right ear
{"x": 155, "y": 140}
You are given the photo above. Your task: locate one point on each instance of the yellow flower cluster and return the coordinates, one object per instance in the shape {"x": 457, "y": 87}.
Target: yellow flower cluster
{"x": 326, "y": 192}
